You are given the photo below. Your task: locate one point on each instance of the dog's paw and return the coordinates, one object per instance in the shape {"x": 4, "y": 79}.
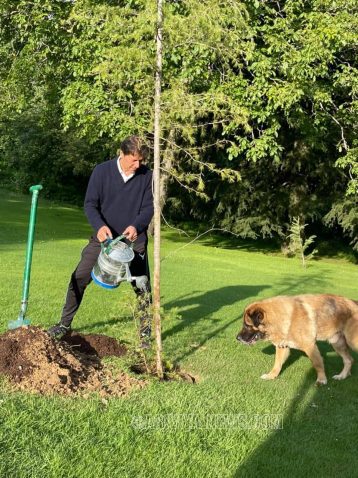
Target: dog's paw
{"x": 340, "y": 376}
{"x": 268, "y": 376}
{"x": 321, "y": 381}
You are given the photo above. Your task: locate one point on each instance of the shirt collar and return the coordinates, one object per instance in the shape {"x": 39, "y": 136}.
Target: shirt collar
{"x": 122, "y": 173}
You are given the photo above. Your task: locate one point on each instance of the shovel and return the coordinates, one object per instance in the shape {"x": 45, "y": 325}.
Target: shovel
{"x": 14, "y": 324}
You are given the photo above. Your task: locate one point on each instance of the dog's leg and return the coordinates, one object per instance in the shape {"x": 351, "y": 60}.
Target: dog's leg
{"x": 340, "y": 346}
{"x": 282, "y": 354}
{"x": 351, "y": 332}
{"x": 316, "y": 358}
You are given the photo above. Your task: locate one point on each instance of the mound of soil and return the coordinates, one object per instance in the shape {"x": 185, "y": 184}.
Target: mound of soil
{"x": 95, "y": 344}
{"x": 34, "y": 361}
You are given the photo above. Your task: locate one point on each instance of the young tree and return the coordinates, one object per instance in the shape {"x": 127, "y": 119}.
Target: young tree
{"x": 298, "y": 242}
{"x": 157, "y": 202}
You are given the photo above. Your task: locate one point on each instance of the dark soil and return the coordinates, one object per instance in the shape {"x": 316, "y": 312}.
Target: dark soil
{"x": 95, "y": 344}
{"x": 33, "y": 361}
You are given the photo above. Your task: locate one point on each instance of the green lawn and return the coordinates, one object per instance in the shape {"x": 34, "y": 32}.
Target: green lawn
{"x": 176, "y": 429}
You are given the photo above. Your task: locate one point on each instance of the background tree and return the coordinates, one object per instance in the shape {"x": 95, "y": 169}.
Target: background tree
{"x": 299, "y": 86}
{"x": 259, "y": 104}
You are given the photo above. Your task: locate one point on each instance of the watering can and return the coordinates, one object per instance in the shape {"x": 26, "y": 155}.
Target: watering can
{"x": 112, "y": 266}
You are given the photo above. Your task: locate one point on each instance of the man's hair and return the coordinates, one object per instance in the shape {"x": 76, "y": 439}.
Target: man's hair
{"x": 134, "y": 145}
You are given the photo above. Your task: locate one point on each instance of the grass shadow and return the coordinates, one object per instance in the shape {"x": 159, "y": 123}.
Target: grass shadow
{"x": 199, "y": 306}
{"x": 295, "y": 355}
{"x": 318, "y": 439}
{"x": 94, "y": 326}
{"x": 330, "y": 248}
{"x": 222, "y": 240}
{"x": 203, "y": 305}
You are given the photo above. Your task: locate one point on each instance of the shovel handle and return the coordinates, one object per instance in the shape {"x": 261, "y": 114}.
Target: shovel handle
{"x": 37, "y": 187}
{"x": 30, "y": 241}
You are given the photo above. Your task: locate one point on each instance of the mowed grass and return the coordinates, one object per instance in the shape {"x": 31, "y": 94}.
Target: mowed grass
{"x": 219, "y": 427}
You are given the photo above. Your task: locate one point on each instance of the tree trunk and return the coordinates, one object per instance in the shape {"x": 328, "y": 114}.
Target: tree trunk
{"x": 157, "y": 205}
{"x": 168, "y": 160}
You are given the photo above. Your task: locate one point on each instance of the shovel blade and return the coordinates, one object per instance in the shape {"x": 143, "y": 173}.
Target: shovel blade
{"x": 15, "y": 324}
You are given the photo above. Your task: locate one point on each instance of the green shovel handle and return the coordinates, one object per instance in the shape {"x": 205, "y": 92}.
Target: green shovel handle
{"x": 35, "y": 190}
{"x": 37, "y": 187}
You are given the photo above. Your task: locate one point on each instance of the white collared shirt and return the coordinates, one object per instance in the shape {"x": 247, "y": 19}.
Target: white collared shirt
{"x": 122, "y": 173}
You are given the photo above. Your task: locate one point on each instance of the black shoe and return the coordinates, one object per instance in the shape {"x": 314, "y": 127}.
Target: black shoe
{"x": 58, "y": 331}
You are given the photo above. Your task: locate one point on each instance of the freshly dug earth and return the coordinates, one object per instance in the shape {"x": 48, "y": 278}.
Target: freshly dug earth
{"x": 95, "y": 344}
{"x": 33, "y": 361}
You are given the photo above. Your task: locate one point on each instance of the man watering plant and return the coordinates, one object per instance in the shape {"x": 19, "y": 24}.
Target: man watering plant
{"x": 119, "y": 201}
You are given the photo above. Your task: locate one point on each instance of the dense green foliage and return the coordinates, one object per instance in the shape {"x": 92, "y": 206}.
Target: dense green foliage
{"x": 259, "y": 104}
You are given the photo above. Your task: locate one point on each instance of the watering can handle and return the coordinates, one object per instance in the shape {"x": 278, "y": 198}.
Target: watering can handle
{"x": 108, "y": 244}
{"x": 105, "y": 244}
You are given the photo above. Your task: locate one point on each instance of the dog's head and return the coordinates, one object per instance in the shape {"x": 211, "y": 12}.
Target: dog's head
{"x": 254, "y": 327}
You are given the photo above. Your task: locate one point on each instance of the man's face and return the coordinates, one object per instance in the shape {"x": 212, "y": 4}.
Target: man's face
{"x": 130, "y": 162}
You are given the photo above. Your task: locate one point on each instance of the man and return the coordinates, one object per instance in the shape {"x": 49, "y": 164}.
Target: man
{"x": 119, "y": 201}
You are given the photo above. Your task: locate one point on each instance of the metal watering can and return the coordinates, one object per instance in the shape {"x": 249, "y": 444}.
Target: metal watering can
{"x": 112, "y": 266}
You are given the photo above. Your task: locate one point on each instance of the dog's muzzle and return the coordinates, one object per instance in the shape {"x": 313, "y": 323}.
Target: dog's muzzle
{"x": 251, "y": 339}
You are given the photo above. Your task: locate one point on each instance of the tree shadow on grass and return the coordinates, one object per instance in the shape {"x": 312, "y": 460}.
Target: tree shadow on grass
{"x": 223, "y": 241}
{"x": 96, "y": 326}
{"x": 309, "y": 283}
{"x": 329, "y": 247}
{"x": 295, "y": 355}
{"x": 195, "y": 307}
{"x": 198, "y": 306}
{"x": 319, "y": 440}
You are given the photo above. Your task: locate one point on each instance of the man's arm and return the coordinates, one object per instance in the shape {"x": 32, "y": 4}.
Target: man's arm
{"x": 145, "y": 215}
{"x": 92, "y": 201}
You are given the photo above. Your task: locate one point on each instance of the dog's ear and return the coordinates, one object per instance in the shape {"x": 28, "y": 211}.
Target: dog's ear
{"x": 256, "y": 315}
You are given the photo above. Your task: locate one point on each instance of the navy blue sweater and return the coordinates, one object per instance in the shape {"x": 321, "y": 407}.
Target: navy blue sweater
{"x": 111, "y": 202}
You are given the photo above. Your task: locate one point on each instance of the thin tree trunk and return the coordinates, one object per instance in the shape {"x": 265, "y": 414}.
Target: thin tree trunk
{"x": 157, "y": 208}
{"x": 167, "y": 161}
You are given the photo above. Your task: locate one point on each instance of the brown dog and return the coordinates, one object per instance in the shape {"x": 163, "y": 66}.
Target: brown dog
{"x": 298, "y": 322}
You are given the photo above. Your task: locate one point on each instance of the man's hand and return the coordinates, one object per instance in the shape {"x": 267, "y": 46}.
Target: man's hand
{"x": 104, "y": 233}
{"x": 131, "y": 233}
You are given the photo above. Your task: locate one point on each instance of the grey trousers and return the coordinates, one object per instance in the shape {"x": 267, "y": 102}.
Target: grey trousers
{"x": 81, "y": 278}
